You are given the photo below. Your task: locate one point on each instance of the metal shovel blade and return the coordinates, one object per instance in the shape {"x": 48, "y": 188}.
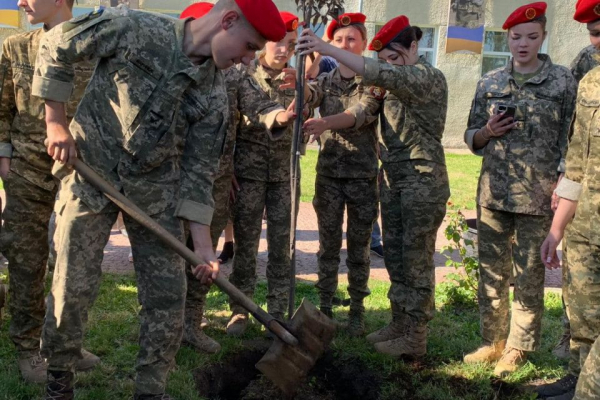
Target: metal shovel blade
{"x": 287, "y": 366}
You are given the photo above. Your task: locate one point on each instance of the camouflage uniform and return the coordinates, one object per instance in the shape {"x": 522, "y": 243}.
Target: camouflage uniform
{"x": 517, "y": 178}
{"x": 262, "y": 170}
{"x": 346, "y": 177}
{"x": 415, "y": 184}
{"x": 151, "y": 123}
{"x": 30, "y": 186}
{"x": 588, "y": 387}
{"x": 586, "y": 60}
{"x": 579, "y": 184}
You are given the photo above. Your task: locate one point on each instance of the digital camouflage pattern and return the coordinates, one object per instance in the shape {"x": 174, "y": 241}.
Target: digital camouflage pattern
{"x": 346, "y": 179}
{"x": 588, "y": 386}
{"x": 415, "y": 185}
{"x": 151, "y": 123}
{"x": 352, "y": 152}
{"x": 30, "y": 187}
{"x": 262, "y": 169}
{"x": 582, "y": 295}
{"x": 586, "y": 60}
{"x": 507, "y": 242}
{"x": 520, "y": 169}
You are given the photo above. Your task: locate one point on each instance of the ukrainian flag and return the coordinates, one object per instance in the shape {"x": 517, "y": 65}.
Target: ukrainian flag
{"x": 9, "y": 13}
{"x": 464, "y": 39}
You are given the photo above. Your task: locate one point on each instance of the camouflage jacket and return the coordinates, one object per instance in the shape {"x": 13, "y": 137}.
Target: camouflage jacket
{"x": 352, "y": 152}
{"x": 244, "y": 97}
{"x": 586, "y": 60}
{"x": 258, "y": 155}
{"x": 414, "y": 110}
{"x": 582, "y": 181}
{"x": 151, "y": 122}
{"x": 520, "y": 169}
{"x": 22, "y": 117}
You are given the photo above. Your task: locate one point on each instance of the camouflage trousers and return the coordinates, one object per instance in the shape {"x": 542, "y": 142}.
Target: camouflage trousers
{"x": 251, "y": 200}
{"x": 81, "y": 236}
{"x": 507, "y": 240}
{"x": 413, "y": 206}
{"x": 24, "y": 243}
{"x": 332, "y": 197}
{"x": 582, "y": 297}
{"x": 588, "y": 387}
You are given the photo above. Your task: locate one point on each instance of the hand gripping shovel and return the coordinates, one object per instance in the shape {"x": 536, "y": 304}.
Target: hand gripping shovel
{"x": 301, "y": 342}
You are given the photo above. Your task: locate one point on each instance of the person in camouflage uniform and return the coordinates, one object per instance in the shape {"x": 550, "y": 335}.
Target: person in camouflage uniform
{"x": 415, "y": 185}
{"x": 262, "y": 171}
{"x": 25, "y": 168}
{"x": 588, "y": 387}
{"x": 152, "y": 123}
{"x": 346, "y": 170}
{"x": 523, "y": 158}
{"x": 586, "y": 60}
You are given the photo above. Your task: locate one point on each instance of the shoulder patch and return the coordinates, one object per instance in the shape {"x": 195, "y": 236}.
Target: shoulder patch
{"x": 75, "y": 22}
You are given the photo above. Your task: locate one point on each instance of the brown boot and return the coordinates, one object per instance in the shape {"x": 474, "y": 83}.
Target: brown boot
{"x": 87, "y": 362}
{"x": 356, "y": 320}
{"x": 192, "y": 330}
{"x": 33, "y": 367}
{"x": 393, "y": 330}
{"x": 512, "y": 359}
{"x": 487, "y": 352}
{"x": 237, "y": 324}
{"x": 413, "y": 342}
{"x": 59, "y": 385}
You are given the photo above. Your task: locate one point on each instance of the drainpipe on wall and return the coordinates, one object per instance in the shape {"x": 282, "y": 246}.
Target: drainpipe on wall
{"x": 360, "y": 6}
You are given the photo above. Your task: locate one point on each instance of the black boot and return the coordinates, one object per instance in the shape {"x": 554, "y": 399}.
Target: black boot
{"x": 59, "y": 385}
{"x": 558, "y": 388}
{"x": 226, "y": 253}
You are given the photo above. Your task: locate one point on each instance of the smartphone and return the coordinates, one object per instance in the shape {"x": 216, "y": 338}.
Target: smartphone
{"x": 508, "y": 111}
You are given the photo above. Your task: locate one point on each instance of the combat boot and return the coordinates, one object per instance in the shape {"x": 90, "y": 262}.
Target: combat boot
{"x": 393, "y": 330}
{"x": 87, "y": 361}
{"x": 562, "y": 350}
{"x": 564, "y": 385}
{"x": 512, "y": 359}
{"x": 412, "y": 342}
{"x": 192, "y": 329}
{"x": 33, "y": 367}
{"x": 356, "y": 320}
{"x": 486, "y": 353}
{"x": 237, "y": 323}
{"x": 59, "y": 385}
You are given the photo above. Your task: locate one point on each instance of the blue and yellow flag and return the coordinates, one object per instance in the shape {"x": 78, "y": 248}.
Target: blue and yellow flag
{"x": 9, "y": 13}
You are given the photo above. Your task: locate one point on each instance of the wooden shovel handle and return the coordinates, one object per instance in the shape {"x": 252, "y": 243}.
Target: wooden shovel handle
{"x": 137, "y": 214}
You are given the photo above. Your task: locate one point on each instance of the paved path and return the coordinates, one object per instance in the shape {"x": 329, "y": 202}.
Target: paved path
{"x": 116, "y": 253}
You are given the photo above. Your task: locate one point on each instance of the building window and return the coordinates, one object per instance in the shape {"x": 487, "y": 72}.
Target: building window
{"x": 427, "y": 44}
{"x": 496, "y": 53}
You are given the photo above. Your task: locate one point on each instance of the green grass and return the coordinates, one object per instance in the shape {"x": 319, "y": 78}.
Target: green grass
{"x": 113, "y": 332}
{"x": 463, "y": 171}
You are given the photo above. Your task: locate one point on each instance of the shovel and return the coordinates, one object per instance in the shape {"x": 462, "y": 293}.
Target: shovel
{"x": 301, "y": 342}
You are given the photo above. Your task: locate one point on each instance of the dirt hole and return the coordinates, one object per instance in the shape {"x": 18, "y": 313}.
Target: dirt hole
{"x": 332, "y": 378}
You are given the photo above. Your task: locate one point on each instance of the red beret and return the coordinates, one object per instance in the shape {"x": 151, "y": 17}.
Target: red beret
{"x": 290, "y": 21}
{"x": 389, "y": 32}
{"x": 587, "y": 11}
{"x": 526, "y": 13}
{"x": 197, "y": 10}
{"x": 345, "y": 20}
{"x": 264, "y": 16}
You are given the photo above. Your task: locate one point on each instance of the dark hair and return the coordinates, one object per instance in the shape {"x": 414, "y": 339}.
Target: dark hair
{"x": 407, "y": 36}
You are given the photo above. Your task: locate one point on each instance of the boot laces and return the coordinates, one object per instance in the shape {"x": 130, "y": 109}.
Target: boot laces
{"x": 36, "y": 361}
{"x": 56, "y": 387}
{"x": 512, "y": 355}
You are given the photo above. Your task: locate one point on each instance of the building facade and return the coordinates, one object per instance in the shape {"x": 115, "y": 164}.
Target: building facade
{"x": 565, "y": 39}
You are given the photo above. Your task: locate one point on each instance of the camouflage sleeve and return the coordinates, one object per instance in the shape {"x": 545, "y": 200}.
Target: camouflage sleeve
{"x": 200, "y": 163}
{"x": 568, "y": 109}
{"x": 478, "y": 117}
{"x": 571, "y": 185}
{"x": 366, "y": 111}
{"x": 410, "y": 83}
{"x": 316, "y": 88}
{"x": 8, "y": 107}
{"x": 95, "y": 35}
{"x": 578, "y": 67}
{"x": 257, "y": 108}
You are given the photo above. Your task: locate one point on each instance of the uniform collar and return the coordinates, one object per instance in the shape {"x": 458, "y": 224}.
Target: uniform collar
{"x": 198, "y": 73}
{"x": 541, "y": 76}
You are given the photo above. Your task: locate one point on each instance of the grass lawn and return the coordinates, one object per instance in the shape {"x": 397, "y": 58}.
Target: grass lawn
{"x": 463, "y": 170}
{"x": 113, "y": 334}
